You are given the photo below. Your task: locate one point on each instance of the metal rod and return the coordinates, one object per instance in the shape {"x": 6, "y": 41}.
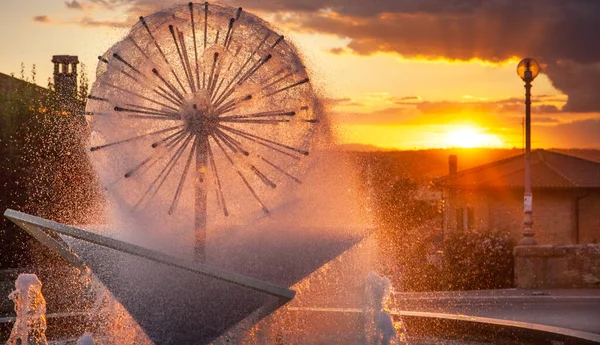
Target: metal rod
{"x": 187, "y": 60}
{"x": 137, "y": 167}
{"x": 167, "y": 138}
{"x": 268, "y": 146}
{"x": 264, "y": 208}
{"x": 229, "y": 84}
{"x": 183, "y": 176}
{"x": 121, "y": 59}
{"x": 167, "y": 96}
{"x": 166, "y": 170}
{"x": 96, "y": 148}
{"x": 205, "y": 32}
{"x": 303, "y": 81}
{"x": 162, "y": 113}
{"x": 136, "y": 94}
{"x": 250, "y": 73}
{"x": 264, "y": 178}
{"x": 191, "y": 5}
{"x": 167, "y": 84}
{"x": 278, "y": 168}
{"x": 200, "y": 200}
{"x": 237, "y": 131}
{"x": 220, "y": 196}
{"x": 161, "y": 52}
{"x": 261, "y": 114}
{"x": 185, "y": 71}
{"x": 226, "y": 138}
{"x": 98, "y": 98}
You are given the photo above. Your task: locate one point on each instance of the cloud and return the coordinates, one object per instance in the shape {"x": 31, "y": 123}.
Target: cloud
{"x": 387, "y": 116}
{"x": 545, "y": 120}
{"x": 582, "y": 134}
{"x": 338, "y": 50}
{"x": 558, "y": 33}
{"x": 74, "y": 5}
{"x": 90, "y": 22}
{"x": 408, "y": 100}
{"x": 42, "y": 19}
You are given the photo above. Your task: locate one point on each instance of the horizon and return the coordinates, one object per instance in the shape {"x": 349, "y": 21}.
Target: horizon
{"x": 386, "y": 79}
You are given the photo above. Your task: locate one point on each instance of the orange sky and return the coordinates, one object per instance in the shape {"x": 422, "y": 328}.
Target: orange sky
{"x": 392, "y": 76}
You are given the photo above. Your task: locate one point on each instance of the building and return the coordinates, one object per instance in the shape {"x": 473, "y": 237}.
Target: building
{"x": 65, "y": 91}
{"x": 566, "y": 197}
{"x": 65, "y": 76}
{"x": 37, "y": 137}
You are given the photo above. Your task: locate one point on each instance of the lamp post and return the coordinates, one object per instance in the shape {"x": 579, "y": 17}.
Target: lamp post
{"x": 528, "y": 69}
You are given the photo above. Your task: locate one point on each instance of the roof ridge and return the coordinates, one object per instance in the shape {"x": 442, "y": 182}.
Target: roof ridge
{"x": 479, "y": 167}
{"x": 554, "y": 169}
{"x": 566, "y": 155}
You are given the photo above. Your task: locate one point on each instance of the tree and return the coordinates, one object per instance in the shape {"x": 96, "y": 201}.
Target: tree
{"x": 44, "y": 167}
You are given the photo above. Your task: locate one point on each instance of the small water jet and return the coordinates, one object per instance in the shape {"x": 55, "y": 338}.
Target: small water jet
{"x": 30, "y": 306}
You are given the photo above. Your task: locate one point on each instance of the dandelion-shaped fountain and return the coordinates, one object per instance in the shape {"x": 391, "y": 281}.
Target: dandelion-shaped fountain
{"x": 200, "y": 92}
{"x": 201, "y": 110}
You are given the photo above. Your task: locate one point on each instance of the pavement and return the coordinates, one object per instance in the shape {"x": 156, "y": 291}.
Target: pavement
{"x": 573, "y": 309}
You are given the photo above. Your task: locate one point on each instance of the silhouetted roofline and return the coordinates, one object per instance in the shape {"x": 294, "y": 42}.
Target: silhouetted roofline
{"x": 568, "y": 172}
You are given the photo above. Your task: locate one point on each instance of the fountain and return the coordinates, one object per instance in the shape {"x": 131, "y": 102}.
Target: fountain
{"x": 30, "y": 307}
{"x": 228, "y": 220}
{"x": 202, "y": 119}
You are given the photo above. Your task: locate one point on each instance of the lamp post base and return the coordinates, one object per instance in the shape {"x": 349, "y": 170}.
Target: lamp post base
{"x": 527, "y": 241}
{"x": 528, "y": 234}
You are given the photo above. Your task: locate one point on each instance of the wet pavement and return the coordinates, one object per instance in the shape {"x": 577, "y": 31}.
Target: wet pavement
{"x": 573, "y": 309}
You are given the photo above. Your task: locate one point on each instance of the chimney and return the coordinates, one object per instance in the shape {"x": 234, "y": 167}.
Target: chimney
{"x": 65, "y": 76}
{"x": 452, "y": 164}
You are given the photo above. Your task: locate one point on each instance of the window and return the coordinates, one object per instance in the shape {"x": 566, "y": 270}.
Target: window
{"x": 465, "y": 218}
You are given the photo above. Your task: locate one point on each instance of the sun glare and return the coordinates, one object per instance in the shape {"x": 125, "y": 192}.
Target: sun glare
{"x": 470, "y": 137}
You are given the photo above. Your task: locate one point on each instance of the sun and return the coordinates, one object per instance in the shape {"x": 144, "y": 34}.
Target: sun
{"x": 469, "y": 137}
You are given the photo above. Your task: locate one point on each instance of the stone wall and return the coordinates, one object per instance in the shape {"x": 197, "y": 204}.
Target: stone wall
{"x": 560, "y": 217}
{"x": 567, "y": 266}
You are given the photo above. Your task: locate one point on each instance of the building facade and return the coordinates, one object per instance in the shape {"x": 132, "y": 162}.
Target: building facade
{"x": 566, "y": 198}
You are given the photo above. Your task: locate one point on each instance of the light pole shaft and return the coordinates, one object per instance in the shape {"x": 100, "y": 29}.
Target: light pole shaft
{"x": 200, "y": 200}
{"x": 528, "y": 137}
{"x": 528, "y": 234}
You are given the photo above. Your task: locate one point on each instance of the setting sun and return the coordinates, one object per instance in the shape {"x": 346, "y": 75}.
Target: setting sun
{"x": 470, "y": 137}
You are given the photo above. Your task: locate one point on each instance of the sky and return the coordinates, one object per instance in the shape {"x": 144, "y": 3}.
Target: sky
{"x": 393, "y": 74}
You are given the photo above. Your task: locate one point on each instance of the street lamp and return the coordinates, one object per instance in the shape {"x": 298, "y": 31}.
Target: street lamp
{"x": 528, "y": 69}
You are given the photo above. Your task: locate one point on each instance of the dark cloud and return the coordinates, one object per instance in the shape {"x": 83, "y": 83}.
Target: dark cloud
{"x": 74, "y": 5}
{"x": 41, "y": 19}
{"x": 582, "y": 134}
{"x": 560, "y": 34}
{"x": 580, "y": 81}
{"x": 337, "y": 51}
{"x": 408, "y": 100}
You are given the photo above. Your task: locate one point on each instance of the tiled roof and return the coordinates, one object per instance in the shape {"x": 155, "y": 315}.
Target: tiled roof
{"x": 8, "y": 83}
{"x": 548, "y": 170}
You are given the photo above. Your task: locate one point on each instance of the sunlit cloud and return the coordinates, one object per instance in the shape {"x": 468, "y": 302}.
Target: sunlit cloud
{"x": 74, "y": 5}
{"x": 42, "y": 19}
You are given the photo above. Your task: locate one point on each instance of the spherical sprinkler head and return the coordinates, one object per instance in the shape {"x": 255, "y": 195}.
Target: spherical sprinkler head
{"x": 528, "y": 69}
